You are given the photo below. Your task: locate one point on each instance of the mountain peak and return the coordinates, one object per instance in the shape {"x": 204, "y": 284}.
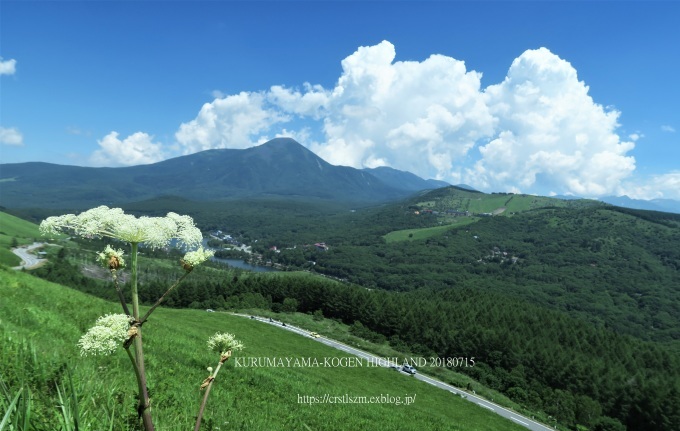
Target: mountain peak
{"x": 282, "y": 142}
{"x": 281, "y": 145}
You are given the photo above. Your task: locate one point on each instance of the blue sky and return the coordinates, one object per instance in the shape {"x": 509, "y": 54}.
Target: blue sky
{"x": 538, "y": 97}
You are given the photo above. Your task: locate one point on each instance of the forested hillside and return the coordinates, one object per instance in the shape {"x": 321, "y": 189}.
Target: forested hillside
{"x": 610, "y": 267}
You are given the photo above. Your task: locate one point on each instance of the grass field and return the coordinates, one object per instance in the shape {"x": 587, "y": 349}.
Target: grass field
{"x": 41, "y": 323}
{"x": 424, "y": 233}
{"x": 14, "y": 228}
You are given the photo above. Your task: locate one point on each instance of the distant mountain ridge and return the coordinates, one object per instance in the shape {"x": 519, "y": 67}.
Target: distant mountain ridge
{"x": 280, "y": 167}
{"x": 664, "y": 205}
{"x": 404, "y": 180}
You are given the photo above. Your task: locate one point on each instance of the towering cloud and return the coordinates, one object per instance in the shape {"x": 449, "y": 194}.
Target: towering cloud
{"x": 550, "y": 133}
{"x": 417, "y": 116}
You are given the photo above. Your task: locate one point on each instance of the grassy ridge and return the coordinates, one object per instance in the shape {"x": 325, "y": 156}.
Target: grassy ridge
{"x": 453, "y": 198}
{"x": 476, "y": 202}
{"x": 11, "y": 226}
{"x": 41, "y": 323}
{"x": 14, "y": 228}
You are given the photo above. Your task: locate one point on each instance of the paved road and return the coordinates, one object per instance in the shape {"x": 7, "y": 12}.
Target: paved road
{"x": 28, "y": 260}
{"x": 508, "y": 414}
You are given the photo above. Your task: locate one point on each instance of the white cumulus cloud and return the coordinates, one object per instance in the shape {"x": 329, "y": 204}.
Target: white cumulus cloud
{"x": 230, "y": 122}
{"x": 550, "y": 133}
{"x": 11, "y": 136}
{"x": 136, "y": 149}
{"x": 8, "y": 67}
{"x": 311, "y": 103}
{"x": 416, "y": 116}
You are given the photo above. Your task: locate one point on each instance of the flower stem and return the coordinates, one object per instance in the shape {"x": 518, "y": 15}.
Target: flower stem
{"x": 144, "y": 405}
{"x": 134, "y": 366}
{"x": 207, "y": 391}
{"x": 126, "y": 310}
{"x": 133, "y": 264}
{"x": 158, "y": 302}
{"x": 144, "y": 402}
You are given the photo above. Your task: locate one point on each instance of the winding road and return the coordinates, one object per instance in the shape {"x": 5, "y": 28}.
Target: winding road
{"x": 28, "y": 260}
{"x": 502, "y": 411}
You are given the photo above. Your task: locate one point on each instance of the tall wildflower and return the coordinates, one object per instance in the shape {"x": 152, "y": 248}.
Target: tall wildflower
{"x": 224, "y": 344}
{"x": 112, "y": 330}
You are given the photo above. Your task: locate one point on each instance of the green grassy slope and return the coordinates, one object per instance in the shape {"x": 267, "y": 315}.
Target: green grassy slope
{"x": 477, "y": 202}
{"x": 41, "y": 323}
{"x": 14, "y": 228}
{"x": 11, "y": 226}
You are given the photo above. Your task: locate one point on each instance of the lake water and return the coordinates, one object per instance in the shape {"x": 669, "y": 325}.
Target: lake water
{"x": 237, "y": 263}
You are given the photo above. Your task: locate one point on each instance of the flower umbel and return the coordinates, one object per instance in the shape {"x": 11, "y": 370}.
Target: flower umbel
{"x": 109, "y": 332}
{"x": 194, "y": 258}
{"x": 114, "y": 223}
{"x": 111, "y": 258}
{"x": 224, "y": 342}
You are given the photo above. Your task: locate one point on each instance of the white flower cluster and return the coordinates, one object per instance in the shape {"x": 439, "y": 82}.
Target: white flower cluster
{"x": 224, "y": 342}
{"x": 114, "y": 223}
{"x": 111, "y": 258}
{"x": 197, "y": 257}
{"x": 108, "y": 333}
